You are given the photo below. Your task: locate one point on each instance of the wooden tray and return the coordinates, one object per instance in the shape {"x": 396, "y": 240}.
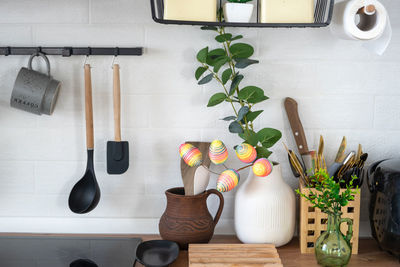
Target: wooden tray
{"x": 233, "y": 255}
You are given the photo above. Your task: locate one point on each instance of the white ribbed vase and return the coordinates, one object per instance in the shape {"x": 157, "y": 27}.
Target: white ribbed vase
{"x": 265, "y": 209}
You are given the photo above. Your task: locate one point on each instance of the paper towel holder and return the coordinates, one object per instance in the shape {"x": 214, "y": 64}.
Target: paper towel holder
{"x": 367, "y": 10}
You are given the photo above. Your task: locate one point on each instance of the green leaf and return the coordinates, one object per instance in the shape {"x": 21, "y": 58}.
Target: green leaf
{"x": 223, "y": 37}
{"x": 235, "y": 127}
{"x": 252, "y": 94}
{"x": 250, "y": 137}
{"x": 242, "y": 63}
{"x": 226, "y": 75}
{"x": 206, "y": 79}
{"x": 214, "y": 56}
{"x": 235, "y": 83}
{"x": 268, "y": 137}
{"x": 242, "y": 112}
{"x": 241, "y": 50}
{"x": 252, "y": 115}
{"x": 236, "y": 38}
{"x": 202, "y": 55}
{"x": 229, "y": 118}
{"x": 199, "y": 72}
{"x": 216, "y": 99}
{"x": 209, "y": 28}
{"x": 263, "y": 152}
{"x": 221, "y": 62}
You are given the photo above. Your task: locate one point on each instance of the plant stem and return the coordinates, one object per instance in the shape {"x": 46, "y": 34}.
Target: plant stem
{"x": 226, "y": 91}
{"x": 245, "y": 167}
{"x": 226, "y": 45}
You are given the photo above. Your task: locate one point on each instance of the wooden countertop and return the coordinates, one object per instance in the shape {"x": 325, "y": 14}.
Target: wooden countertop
{"x": 369, "y": 253}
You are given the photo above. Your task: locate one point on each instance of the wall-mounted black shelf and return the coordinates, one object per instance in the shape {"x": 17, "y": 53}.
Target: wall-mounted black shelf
{"x": 322, "y": 17}
{"x": 73, "y": 51}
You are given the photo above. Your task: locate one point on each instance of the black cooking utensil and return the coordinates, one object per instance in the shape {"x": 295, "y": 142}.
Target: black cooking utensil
{"x": 157, "y": 253}
{"x": 83, "y": 263}
{"x": 295, "y": 172}
{"x": 117, "y": 150}
{"x": 85, "y": 195}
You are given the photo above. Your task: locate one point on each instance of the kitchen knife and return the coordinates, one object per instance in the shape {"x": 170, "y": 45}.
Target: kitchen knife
{"x": 339, "y": 158}
{"x": 298, "y": 132}
{"x": 344, "y": 164}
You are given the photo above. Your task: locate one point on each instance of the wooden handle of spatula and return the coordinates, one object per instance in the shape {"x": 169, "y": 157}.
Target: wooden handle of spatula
{"x": 117, "y": 103}
{"x": 88, "y": 108}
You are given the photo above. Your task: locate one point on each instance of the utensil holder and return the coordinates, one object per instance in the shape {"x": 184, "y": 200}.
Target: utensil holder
{"x": 313, "y": 221}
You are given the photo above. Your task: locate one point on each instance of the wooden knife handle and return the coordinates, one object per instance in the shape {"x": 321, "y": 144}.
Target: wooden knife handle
{"x": 117, "y": 103}
{"x": 89, "y": 108}
{"x": 297, "y": 127}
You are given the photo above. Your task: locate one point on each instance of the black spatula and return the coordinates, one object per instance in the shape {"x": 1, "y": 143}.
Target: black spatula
{"x": 117, "y": 150}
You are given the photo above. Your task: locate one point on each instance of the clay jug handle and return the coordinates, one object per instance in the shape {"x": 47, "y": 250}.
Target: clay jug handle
{"x": 221, "y": 204}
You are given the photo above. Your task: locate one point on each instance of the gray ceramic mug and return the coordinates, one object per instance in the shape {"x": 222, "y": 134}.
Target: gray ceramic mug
{"x": 34, "y": 91}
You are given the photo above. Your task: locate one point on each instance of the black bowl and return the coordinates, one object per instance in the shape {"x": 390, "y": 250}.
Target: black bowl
{"x": 83, "y": 263}
{"x": 157, "y": 253}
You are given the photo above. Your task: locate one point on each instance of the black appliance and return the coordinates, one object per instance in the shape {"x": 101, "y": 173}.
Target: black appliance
{"x": 66, "y": 251}
{"x": 384, "y": 209}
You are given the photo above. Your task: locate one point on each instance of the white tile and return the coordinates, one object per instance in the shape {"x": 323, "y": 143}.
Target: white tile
{"x": 17, "y": 177}
{"x": 158, "y": 145}
{"x": 89, "y": 35}
{"x": 13, "y": 35}
{"x": 308, "y": 44}
{"x": 121, "y": 11}
{"x": 387, "y": 113}
{"x": 42, "y": 11}
{"x": 349, "y": 112}
{"x": 181, "y": 111}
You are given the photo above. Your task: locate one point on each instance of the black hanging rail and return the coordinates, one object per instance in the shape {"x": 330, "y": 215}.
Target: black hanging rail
{"x": 73, "y": 51}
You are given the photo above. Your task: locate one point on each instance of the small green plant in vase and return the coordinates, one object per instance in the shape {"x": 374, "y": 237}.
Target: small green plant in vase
{"x": 332, "y": 248}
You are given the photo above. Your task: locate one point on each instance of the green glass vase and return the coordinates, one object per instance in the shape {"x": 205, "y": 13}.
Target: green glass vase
{"x": 332, "y": 247}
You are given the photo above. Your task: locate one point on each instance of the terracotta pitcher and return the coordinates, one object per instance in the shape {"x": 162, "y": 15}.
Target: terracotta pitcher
{"x": 187, "y": 219}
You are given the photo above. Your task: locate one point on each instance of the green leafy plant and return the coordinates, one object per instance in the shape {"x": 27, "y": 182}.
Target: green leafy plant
{"x": 239, "y": 1}
{"x": 222, "y": 65}
{"x": 325, "y": 193}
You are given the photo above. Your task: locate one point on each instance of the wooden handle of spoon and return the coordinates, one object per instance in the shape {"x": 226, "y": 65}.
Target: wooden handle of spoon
{"x": 117, "y": 103}
{"x": 89, "y": 108}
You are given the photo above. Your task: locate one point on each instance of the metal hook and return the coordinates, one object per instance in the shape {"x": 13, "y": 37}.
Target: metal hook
{"x": 86, "y": 59}
{"x": 38, "y": 50}
{"x": 113, "y": 61}
{"x": 116, "y": 53}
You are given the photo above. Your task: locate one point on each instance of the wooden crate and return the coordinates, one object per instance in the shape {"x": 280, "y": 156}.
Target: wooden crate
{"x": 233, "y": 255}
{"x": 313, "y": 222}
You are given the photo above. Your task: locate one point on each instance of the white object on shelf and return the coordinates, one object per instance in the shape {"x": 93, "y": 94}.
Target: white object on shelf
{"x": 238, "y": 12}
{"x": 265, "y": 209}
{"x": 287, "y": 11}
{"x": 192, "y": 10}
{"x": 201, "y": 180}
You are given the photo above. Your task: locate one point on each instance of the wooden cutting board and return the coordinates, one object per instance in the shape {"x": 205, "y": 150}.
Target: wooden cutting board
{"x": 233, "y": 255}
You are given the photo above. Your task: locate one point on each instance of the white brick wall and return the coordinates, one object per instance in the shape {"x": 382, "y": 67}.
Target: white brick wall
{"x": 341, "y": 89}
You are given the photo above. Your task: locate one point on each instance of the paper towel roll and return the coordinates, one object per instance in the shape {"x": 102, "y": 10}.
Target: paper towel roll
{"x": 372, "y": 28}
